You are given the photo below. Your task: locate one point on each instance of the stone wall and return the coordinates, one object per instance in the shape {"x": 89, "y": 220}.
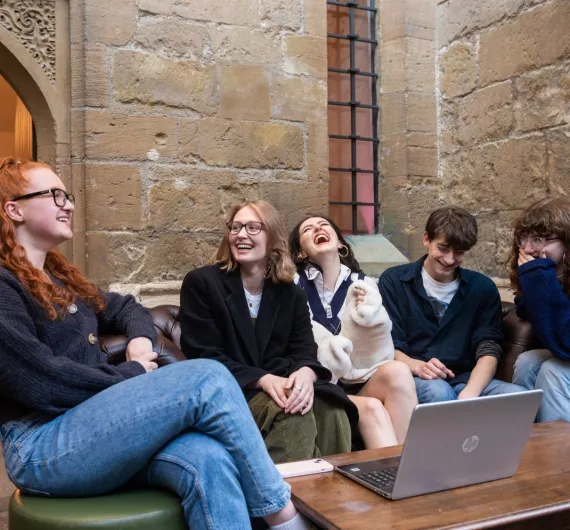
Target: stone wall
{"x": 504, "y": 112}
{"x": 183, "y": 108}
{"x": 408, "y": 120}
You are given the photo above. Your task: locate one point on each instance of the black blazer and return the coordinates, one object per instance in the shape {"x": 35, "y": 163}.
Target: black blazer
{"x": 216, "y": 324}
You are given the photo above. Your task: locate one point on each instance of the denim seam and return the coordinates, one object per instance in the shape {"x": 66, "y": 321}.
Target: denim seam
{"x": 77, "y": 447}
{"x": 194, "y": 472}
{"x": 271, "y": 507}
{"x": 259, "y": 490}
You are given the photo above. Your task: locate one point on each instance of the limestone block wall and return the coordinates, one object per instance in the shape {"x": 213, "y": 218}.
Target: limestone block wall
{"x": 187, "y": 107}
{"x": 503, "y": 93}
{"x": 408, "y": 120}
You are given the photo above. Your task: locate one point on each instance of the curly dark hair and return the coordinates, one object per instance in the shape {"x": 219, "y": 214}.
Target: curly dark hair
{"x": 542, "y": 218}
{"x": 295, "y": 245}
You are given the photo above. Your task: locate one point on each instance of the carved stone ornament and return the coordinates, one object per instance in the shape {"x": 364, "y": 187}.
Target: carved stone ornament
{"x": 32, "y": 22}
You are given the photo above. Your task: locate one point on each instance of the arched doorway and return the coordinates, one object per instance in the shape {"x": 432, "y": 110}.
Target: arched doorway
{"x": 17, "y": 134}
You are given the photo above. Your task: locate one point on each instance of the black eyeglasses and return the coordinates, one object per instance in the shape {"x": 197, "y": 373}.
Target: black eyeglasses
{"x": 252, "y": 228}
{"x": 60, "y": 197}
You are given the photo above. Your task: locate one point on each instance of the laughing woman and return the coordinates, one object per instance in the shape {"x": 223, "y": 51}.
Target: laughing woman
{"x": 540, "y": 277}
{"x": 352, "y": 330}
{"x": 246, "y": 312}
{"x": 73, "y": 425}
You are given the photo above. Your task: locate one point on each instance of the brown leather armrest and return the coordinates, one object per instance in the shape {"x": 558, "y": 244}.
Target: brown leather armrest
{"x": 167, "y": 323}
{"x": 114, "y": 346}
{"x": 518, "y": 339}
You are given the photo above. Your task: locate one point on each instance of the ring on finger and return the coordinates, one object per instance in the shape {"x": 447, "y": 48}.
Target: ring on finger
{"x": 297, "y": 387}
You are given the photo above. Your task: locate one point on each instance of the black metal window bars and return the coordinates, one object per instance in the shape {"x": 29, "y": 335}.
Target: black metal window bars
{"x": 353, "y": 71}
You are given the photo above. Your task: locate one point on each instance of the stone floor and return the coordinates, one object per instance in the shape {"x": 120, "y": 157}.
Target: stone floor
{"x": 3, "y": 521}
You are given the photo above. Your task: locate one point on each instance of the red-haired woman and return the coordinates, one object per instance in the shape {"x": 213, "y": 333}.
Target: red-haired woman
{"x": 71, "y": 424}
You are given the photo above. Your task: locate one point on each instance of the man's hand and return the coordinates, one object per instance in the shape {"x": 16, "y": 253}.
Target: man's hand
{"x": 432, "y": 369}
{"x": 138, "y": 347}
{"x": 301, "y": 391}
{"x": 275, "y": 387}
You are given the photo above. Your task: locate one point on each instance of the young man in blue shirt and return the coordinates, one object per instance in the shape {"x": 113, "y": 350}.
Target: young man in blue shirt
{"x": 447, "y": 321}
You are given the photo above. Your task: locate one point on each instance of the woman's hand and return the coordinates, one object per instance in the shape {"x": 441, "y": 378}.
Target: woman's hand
{"x": 148, "y": 360}
{"x": 140, "y": 350}
{"x": 301, "y": 391}
{"x": 524, "y": 257}
{"x": 138, "y": 347}
{"x": 275, "y": 387}
{"x": 360, "y": 293}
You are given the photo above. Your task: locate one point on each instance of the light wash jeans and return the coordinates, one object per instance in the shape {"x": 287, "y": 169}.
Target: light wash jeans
{"x": 540, "y": 369}
{"x": 185, "y": 427}
{"x": 434, "y": 390}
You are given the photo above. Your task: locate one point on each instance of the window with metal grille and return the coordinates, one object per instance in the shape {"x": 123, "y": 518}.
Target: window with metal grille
{"x": 353, "y": 116}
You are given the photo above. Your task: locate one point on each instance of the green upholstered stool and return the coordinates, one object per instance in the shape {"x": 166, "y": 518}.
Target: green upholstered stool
{"x": 145, "y": 509}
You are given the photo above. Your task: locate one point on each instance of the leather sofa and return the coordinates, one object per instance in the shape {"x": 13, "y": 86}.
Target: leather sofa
{"x": 519, "y": 338}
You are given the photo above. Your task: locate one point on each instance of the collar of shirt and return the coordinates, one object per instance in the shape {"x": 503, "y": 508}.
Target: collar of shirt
{"x": 414, "y": 274}
{"x": 314, "y": 273}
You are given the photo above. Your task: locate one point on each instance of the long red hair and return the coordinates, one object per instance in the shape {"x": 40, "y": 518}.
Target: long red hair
{"x": 53, "y": 298}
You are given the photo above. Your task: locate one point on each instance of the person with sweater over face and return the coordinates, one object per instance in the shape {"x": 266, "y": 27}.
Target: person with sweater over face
{"x": 447, "y": 321}
{"x": 73, "y": 425}
{"x": 246, "y": 312}
{"x": 540, "y": 278}
{"x": 352, "y": 331}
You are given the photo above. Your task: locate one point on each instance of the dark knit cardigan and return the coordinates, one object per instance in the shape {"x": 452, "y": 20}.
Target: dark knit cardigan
{"x": 51, "y": 365}
{"x": 544, "y": 304}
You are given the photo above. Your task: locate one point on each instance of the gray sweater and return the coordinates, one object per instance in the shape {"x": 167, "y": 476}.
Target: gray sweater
{"x": 53, "y": 365}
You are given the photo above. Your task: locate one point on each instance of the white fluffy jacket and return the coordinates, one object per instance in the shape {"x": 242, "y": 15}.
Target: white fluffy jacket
{"x": 364, "y": 342}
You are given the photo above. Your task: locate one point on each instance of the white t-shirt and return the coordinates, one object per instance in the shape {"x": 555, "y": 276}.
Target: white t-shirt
{"x": 253, "y": 302}
{"x": 440, "y": 294}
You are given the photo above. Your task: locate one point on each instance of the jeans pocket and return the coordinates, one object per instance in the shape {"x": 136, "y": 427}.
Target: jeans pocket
{"x": 18, "y": 435}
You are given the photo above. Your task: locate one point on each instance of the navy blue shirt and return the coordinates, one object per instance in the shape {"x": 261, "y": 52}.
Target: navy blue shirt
{"x": 473, "y": 316}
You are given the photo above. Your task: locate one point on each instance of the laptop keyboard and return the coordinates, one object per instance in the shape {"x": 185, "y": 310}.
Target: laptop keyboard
{"x": 382, "y": 478}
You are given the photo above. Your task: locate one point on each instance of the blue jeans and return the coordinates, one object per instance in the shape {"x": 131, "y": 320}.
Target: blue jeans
{"x": 540, "y": 369}
{"x": 434, "y": 390}
{"x": 185, "y": 427}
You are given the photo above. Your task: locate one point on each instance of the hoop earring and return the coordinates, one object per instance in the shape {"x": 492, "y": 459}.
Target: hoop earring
{"x": 345, "y": 248}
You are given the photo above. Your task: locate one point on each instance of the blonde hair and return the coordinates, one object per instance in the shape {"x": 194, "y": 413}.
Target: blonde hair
{"x": 280, "y": 266}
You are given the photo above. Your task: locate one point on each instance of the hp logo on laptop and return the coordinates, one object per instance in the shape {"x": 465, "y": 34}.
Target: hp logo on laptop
{"x": 470, "y": 444}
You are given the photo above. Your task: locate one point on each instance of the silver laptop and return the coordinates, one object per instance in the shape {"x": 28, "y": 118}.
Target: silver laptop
{"x": 452, "y": 444}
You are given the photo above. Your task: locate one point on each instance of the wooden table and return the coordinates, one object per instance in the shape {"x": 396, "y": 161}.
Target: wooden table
{"x": 537, "y": 497}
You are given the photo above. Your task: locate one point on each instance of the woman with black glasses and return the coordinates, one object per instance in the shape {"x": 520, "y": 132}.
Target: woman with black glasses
{"x": 540, "y": 277}
{"x": 73, "y": 425}
{"x": 246, "y": 312}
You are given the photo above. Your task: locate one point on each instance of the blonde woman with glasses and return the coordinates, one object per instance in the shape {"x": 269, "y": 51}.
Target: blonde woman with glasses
{"x": 246, "y": 312}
